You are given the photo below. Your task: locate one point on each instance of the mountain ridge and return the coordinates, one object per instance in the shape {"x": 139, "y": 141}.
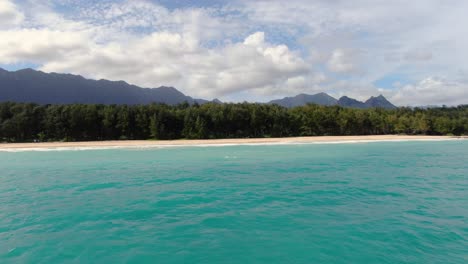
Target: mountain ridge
{"x": 346, "y": 101}
{"x": 29, "y": 85}
{"x": 325, "y": 99}
{"x": 303, "y": 99}
{"x": 33, "y": 86}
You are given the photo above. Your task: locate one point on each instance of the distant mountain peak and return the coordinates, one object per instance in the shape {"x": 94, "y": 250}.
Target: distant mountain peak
{"x": 380, "y": 96}
{"x": 322, "y": 94}
{"x": 169, "y": 88}
{"x": 380, "y": 102}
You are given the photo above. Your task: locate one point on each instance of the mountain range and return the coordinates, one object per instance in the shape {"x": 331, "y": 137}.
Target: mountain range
{"x": 29, "y": 85}
{"x": 325, "y": 99}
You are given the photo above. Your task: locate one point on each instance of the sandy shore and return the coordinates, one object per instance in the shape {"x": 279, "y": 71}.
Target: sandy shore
{"x": 160, "y": 143}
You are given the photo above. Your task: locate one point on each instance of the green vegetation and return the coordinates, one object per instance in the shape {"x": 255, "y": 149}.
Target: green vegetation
{"x": 21, "y": 122}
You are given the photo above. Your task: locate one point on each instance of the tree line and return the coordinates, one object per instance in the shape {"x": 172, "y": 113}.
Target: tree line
{"x": 26, "y": 122}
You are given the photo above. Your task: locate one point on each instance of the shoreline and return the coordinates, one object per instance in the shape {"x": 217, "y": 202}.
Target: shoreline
{"x": 216, "y": 142}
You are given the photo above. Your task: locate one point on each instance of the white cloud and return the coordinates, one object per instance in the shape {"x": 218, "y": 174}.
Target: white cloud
{"x": 162, "y": 58}
{"x": 432, "y": 91}
{"x": 255, "y": 40}
{"x": 255, "y": 49}
{"x": 9, "y": 14}
{"x": 341, "y": 61}
{"x": 40, "y": 46}
{"x": 418, "y": 55}
{"x": 250, "y": 65}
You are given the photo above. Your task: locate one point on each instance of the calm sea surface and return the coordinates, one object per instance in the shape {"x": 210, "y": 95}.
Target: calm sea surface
{"x": 381, "y": 202}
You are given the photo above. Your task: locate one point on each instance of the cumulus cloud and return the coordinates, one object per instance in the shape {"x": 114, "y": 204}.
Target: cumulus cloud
{"x": 417, "y": 38}
{"x": 40, "y": 46}
{"x": 177, "y": 55}
{"x": 432, "y": 91}
{"x": 9, "y": 14}
{"x": 247, "y": 49}
{"x": 250, "y": 65}
{"x": 165, "y": 58}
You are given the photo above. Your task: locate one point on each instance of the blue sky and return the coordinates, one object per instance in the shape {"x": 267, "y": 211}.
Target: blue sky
{"x": 414, "y": 52}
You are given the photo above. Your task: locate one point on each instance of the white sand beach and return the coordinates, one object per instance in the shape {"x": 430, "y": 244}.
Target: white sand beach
{"x": 205, "y": 142}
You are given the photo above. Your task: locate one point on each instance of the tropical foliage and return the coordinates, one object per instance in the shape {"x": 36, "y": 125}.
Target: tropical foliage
{"x": 22, "y": 122}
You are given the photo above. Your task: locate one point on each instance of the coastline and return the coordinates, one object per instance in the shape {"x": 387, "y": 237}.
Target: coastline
{"x": 216, "y": 142}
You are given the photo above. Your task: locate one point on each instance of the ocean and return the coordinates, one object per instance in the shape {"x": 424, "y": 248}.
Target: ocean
{"x": 373, "y": 202}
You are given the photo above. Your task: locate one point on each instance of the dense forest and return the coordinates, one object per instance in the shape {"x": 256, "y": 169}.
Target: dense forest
{"x": 22, "y": 122}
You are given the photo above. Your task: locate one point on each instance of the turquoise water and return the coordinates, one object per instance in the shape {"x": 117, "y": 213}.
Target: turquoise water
{"x": 382, "y": 202}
